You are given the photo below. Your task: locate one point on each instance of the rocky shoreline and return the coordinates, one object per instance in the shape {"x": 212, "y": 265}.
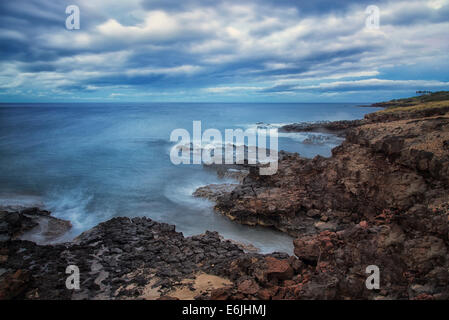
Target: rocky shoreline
{"x": 130, "y": 259}
{"x": 381, "y": 199}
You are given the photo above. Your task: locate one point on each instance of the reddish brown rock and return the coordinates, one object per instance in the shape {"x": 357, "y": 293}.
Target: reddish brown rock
{"x": 278, "y": 269}
{"x": 224, "y": 293}
{"x": 264, "y": 294}
{"x": 248, "y": 287}
{"x": 13, "y": 285}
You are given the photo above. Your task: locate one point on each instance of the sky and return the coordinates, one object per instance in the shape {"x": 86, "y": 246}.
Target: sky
{"x": 222, "y": 51}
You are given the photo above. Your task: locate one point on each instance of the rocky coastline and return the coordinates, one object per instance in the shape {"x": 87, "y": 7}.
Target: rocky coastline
{"x": 381, "y": 199}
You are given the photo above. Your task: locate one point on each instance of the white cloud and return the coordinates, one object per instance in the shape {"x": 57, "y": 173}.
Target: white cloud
{"x": 156, "y": 25}
{"x": 231, "y": 89}
{"x": 184, "y": 69}
{"x": 373, "y": 83}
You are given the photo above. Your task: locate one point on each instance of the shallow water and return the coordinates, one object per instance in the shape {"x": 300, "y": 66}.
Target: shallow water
{"x": 90, "y": 162}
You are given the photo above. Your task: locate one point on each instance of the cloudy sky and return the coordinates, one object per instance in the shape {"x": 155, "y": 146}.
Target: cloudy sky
{"x": 212, "y": 50}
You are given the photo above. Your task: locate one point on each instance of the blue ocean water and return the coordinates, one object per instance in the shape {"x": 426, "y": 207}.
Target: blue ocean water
{"x": 91, "y": 162}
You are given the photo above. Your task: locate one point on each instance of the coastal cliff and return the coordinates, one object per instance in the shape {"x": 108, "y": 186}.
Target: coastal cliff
{"x": 381, "y": 199}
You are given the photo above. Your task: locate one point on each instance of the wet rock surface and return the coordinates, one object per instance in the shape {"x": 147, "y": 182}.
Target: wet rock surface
{"x": 337, "y": 127}
{"x": 123, "y": 259}
{"x": 31, "y": 223}
{"x": 213, "y": 191}
{"x": 118, "y": 259}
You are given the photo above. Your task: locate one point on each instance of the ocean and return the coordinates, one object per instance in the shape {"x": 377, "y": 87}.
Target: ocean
{"x": 89, "y": 162}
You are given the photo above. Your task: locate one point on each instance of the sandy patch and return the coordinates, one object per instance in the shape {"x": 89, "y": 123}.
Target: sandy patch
{"x": 203, "y": 283}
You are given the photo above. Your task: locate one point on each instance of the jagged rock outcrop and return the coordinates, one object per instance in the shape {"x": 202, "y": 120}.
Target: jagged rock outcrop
{"x": 120, "y": 259}
{"x": 381, "y": 199}
{"x": 31, "y": 222}
{"x": 393, "y": 165}
{"x": 322, "y": 126}
{"x": 214, "y": 191}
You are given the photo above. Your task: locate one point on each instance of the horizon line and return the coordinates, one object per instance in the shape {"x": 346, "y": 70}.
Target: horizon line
{"x": 187, "y": 102}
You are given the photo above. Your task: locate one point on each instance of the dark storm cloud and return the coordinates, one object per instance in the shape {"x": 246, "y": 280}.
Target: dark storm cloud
{"x": 414, "y": 14}
{"x": 306, "y": 7}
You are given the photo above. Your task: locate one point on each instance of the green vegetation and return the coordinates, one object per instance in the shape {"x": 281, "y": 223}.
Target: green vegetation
{"x": 417, "y": 107}
{"x": 427, "y": 101}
